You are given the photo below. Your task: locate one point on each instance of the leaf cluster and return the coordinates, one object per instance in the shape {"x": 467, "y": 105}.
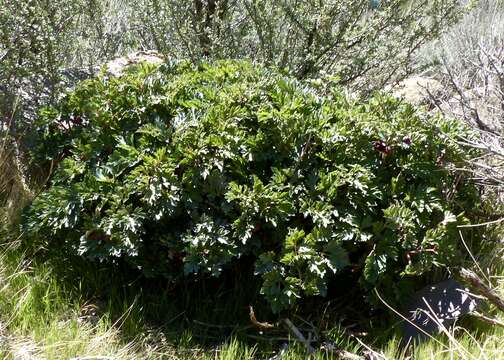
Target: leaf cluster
{"x": 183, "y": 170}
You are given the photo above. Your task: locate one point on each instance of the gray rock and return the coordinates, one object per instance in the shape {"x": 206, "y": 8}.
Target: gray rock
{"x": 436, "y": 306}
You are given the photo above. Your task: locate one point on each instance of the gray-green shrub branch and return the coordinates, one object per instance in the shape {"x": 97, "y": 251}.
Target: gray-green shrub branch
{"x": 44, "y": 45}
{"x": 367, "y": 47}
{"x": 471, "y": 64}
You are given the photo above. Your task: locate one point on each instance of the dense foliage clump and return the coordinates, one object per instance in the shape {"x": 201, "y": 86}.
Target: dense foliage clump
{"x": 186, "y": 169}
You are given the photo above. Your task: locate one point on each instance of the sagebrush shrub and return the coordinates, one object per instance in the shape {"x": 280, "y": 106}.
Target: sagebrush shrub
{"x": 185, "y": 169}
{"x": 370, "y": 44}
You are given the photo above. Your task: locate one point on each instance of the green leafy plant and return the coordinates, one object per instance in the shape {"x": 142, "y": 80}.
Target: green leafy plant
{"x": 182, "y": 169}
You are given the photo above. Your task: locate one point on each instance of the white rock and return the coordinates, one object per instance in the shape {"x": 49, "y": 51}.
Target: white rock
{"x": 117, "y": 66}
{"x": 416, "y": 88}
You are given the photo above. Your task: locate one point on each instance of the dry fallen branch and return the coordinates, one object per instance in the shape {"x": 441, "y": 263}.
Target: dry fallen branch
{"x": 258, "y": 324}
{"x": 477, "y": 285}
{"x": 346, "y": 355}
{"x": 340, "y": 354}
{"x": 498, "y": 221}
{"x": 216, "y": 326}
{"x": 489, "y": 320}
{"x": 299, "y": 335}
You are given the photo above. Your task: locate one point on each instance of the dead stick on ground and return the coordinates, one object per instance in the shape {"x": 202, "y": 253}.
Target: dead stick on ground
{"x": 346, "y": 355}
{"x": 488, "y": 320}
{"x": 475, "y": 282}
{"x": 341, "y": 354}
{"x": 299, "y": 335}
{"x": 258, "y": 324}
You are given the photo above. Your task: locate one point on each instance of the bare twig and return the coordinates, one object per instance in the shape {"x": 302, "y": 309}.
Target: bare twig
{"x": 258, "y": 324}
{"x": 465, "y": 102}
{"x": 472, "y": 257}
{"x": 313, "y": 329}
{"x": 299, "y": 335}
{"x": 343, "y": 354}
{"x": 216, "y": 326}
{"x": 268, "y": 338}
{"x": 489, "y": 320}
{"x": 498, "y": 221}
{"x": 477, "y": 285}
